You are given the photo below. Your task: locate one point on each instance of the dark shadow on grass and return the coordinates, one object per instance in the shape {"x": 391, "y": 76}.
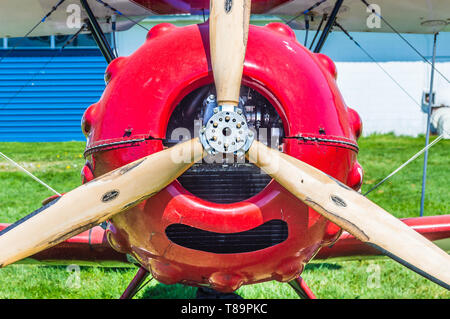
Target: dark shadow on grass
{"x": 322, "y": 266}
{"x": 161, "y": 291}
{"x": 120, "y": 270}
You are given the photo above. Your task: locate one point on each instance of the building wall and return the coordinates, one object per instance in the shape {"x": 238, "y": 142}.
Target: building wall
{"x": 43, "y": 93}
{"x": 382, "y": 105}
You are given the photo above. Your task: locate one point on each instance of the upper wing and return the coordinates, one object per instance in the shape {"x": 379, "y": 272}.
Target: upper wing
{"x": 19, "y": 17}
{"x": 406, "y": 16}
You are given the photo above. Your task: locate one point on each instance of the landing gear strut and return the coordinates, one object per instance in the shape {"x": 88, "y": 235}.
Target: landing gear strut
{"x": 134, "y": 285}
{"x": 302, "y": 289}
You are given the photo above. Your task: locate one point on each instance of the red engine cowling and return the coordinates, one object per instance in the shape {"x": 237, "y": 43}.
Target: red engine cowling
{"x": 131, "y": 119}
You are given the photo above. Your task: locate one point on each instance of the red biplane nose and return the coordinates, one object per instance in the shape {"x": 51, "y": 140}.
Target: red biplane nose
{"x": 255, "y": 229}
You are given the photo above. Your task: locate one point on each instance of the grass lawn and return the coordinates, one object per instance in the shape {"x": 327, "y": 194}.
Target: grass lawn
{"x": 59, "y": 165}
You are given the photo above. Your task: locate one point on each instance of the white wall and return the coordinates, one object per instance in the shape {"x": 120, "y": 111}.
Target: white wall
{"x": 128, "y": 41}
{"x": 382, "y": 105}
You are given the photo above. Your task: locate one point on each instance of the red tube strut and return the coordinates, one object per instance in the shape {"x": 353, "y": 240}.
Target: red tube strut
{"x": 134, "y": 285}
{"x": 302, "y": 289}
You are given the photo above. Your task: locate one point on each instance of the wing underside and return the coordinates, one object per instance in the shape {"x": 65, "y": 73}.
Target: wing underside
{"x": 17, "y": 18}
{"x": 406, "y": 16}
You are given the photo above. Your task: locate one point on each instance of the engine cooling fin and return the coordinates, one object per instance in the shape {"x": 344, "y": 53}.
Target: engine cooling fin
{"x": 264, "y": 236}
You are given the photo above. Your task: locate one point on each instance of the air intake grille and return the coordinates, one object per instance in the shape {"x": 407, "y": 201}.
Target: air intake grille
{"x": 266, "y": 235}
{"x": 224, "y": 183}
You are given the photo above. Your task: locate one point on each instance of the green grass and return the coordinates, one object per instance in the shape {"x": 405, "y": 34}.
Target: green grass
{"x": 59, "y": 165}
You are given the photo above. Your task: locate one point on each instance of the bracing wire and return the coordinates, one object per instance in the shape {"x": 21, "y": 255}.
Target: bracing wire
{"x": 121, "y": 14}
{"x": 54, "y": 8}
{"x": 307, "y": 29}
{"x": 302, "y": 13}
{"x": 43, "y": 67}
{"x": 377, "y": 63}
{"x": 307, "y": 24}
{"x": 28, "y": 173}
{"x": 406, "y": 41}
{"x": 145, "y": 284}
{"x": 57, "y": 52}
{"x": 406, "y": 92}
{"x": 324, "y": 17}
{"x": 440, "y": 137}
{"x": 9, "y": 101}
{"x": 83, "y": 27}
{"x": 306, "y": 11}
{"x": 113, "y": 25}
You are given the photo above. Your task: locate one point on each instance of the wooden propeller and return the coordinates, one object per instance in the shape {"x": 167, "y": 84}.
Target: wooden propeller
{"x": 96, "y": 201}
{"x": 228, "y": 31}
{"x": 354, "y": 213}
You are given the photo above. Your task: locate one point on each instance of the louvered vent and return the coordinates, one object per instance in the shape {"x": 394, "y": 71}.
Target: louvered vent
{"x": 266, "y": 235}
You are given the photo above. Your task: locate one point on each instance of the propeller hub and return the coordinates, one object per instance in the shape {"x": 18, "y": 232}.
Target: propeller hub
{"x": 225, "y": 130}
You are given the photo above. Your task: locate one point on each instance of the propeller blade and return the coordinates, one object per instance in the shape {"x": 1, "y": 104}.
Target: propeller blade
{"x": 228, "y": 31}
{"x": 354, "y": 213}
{"x": 96, "y": 201}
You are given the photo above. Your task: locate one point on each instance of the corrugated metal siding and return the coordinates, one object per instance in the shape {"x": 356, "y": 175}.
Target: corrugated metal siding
{"x": 42, "y": 98}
